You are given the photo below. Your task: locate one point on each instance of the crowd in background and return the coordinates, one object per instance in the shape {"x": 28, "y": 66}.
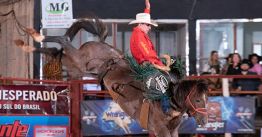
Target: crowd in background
{"x": 235, "y": 65}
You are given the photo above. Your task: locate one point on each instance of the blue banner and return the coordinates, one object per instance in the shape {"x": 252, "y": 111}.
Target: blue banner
{"x": 34, "y": 126}
{"x": 105, "y": 117}
{"x": 225, "y": 114}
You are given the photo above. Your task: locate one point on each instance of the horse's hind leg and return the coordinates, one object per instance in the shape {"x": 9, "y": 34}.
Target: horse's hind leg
{"x": 69, "y": 49}
{"x": 63, "y": 41}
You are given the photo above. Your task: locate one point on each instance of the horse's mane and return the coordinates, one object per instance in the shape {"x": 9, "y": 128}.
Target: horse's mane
{"x": 180, "y": 92}
{"x": 91, "y": 24}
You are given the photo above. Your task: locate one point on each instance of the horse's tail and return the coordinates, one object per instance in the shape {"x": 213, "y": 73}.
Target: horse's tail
{"x": 93, "y": 25}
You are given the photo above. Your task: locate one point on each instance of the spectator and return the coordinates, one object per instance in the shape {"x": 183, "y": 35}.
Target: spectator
{"x": 246, "y": 84}
{"x": 228, "y": 62}
{"x": 234, "y": 67}
{"x": 213, "y": 64}
{"x": 213, "y": 67}
{"x": 255, "y": 66}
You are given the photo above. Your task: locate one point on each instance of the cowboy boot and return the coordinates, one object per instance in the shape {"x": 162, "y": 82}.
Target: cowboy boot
{"x": 175, "y": 113}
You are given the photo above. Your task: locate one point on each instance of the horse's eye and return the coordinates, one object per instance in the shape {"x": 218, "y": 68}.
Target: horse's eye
{"x": 198, "y": 101}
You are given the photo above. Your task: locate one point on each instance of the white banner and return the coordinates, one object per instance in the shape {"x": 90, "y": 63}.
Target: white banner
{"x": 57, "y": 13}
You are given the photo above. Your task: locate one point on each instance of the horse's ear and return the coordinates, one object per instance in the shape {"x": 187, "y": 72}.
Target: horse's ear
{"x": 202, "y": 85}
{"x": 203, "y": 81}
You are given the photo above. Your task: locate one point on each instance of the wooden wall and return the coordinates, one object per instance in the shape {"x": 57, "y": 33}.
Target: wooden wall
{"x": 13, "y": 61}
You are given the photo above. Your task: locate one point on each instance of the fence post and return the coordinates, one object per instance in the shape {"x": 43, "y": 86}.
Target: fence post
{"x": 226, "y": 93}
{"x": 75, "y": 109}
{"x": 225, "y": 87}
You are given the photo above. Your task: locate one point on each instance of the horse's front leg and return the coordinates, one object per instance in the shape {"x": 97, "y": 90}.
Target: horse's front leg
{"x": 162, "y": 131}
{"x": 175, "y": 133}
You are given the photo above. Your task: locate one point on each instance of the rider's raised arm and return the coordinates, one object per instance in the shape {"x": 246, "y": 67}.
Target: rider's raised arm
{"x": 147, "y": 9}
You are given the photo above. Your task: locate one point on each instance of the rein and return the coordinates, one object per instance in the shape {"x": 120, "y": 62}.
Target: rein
{"x": 202, "y": 111}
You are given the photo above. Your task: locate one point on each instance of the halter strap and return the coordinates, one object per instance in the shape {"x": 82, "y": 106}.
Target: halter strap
{"x": 202, "y": 111}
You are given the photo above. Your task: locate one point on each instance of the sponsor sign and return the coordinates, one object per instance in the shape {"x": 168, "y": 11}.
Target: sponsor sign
{"x": 51, "y": 131}
{"x": 34, "y": 126}
{"x": 105, "y": 117}
{"x": 34, "y": 99}
{"x": 15, "y": 129}
{"x": 225, "y": 115}
{"x": 57, "y": 13}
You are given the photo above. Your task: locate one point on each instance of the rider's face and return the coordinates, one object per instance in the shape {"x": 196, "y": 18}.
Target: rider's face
{"x": 145, "y": 27}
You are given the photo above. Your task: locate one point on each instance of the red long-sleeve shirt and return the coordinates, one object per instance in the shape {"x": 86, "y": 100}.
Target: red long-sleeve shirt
{"x": 142, "y": 48}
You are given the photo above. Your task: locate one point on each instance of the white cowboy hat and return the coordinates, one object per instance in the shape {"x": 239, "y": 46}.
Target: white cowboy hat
{"x": 144, "y": 18}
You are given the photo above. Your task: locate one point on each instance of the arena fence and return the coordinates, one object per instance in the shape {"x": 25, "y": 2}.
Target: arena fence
{"x": 78, "y": 93}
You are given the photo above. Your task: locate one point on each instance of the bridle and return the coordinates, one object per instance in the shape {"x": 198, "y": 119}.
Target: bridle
{"x": 202, "y": 111}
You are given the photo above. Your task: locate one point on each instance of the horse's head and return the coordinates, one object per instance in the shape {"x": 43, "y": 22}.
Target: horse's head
{"x": 191, "y": 96}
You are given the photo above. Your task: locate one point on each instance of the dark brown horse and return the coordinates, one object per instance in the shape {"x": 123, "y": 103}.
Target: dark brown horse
{"x": 104, "y": 61}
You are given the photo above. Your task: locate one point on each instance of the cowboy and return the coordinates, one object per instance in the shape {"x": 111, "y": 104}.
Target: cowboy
{"x": 141, "y": 46}
{"x": 143, "y": 51}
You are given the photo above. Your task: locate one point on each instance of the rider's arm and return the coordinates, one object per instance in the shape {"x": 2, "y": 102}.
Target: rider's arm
{"x": 146, "y": 51}
{"x": 147, "y": 9}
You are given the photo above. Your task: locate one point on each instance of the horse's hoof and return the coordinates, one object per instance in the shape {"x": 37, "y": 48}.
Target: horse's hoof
{"x": 19, "y": 42}
{"x": 30, "y": 31}
{"x": 33, "y": 33}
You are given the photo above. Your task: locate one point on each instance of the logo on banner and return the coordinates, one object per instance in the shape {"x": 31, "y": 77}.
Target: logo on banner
{"x": 57, "y": 8}
{"x": 57, "y": 14}
{"x": 245, "y": 114}
{"x": 116, "y": 114}
{"x": 20, "y": 99}
{"x": 89, "y": 117}
{"x": 14, "y": 130}
{"x": 50, "y": 131}
{"x": 215, "y": 122}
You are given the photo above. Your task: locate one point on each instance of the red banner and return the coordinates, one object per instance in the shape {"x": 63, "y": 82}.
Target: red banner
{"x": 34, "y": 99}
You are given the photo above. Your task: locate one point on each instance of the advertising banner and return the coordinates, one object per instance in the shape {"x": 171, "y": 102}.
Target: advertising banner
{"x": 105, "y": 117}
{"x": 57, "y": 13}
{"x": 225, "y": 114}
{"x": 34, "y": 126}
{"x": 34, "y": 99}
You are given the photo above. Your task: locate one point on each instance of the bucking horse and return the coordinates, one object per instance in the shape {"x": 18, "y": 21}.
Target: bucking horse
{"x": 101, "y": 60}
